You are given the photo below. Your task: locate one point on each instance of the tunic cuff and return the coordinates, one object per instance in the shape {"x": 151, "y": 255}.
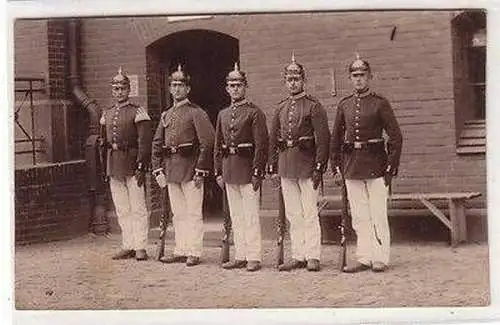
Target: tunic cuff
{"x": 272, "y": 169}
{"x": 157, "y": 172}
{"x": 258, "y": 173}
{"x": 201, "y": 172}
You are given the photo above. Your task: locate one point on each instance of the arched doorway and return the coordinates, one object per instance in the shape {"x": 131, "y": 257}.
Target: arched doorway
{"x": 207, "y": 56}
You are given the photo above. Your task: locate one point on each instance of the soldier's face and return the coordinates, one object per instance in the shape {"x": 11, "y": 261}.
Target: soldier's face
{"x": 236, "y": 90}
{"x": 360, "y": 79}
{"x": 120, "y": 92}
{"x": 179, "y": 90}
{"x": 294, "y": 83}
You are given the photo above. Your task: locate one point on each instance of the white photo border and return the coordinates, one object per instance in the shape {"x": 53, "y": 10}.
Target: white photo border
{"x": 66, "y": 8}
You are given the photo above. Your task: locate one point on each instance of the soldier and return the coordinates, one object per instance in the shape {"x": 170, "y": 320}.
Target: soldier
{"x": 299, "y": 144}
{"x": 126, "y": 129}
{"x": 240, "y": 155}
{"x": 360, "y": 157}
{"x": 182, "y": 158}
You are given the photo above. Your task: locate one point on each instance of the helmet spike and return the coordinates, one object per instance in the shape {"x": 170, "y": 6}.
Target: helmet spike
{"x": 294, "y": 68}
{"x": 180, "y": 75}
{"x": 120, "y": 78}
{"x": 236, "y": 74}
{"x": 359, "y": 64}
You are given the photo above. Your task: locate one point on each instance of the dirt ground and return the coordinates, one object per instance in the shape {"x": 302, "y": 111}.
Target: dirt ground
{"x": 79, "y": 274}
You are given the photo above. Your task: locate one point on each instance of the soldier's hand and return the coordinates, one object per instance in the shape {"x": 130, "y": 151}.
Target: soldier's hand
{"x": 388, "y": 179}
{"x": 198, "y": 181}
{"x": 105, "y": 178}
{"x": 337, "y": 179}
{"x": 140, "y": 176}
{"x": 161, "y": 180}
{"x": 256, "y": 183}
{"x": 275, "y": 180}
{"x": 316, "y": 178}
{"x": 220, "y": 181}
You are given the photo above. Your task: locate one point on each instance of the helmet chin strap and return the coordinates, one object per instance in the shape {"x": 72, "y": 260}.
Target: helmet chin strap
{"x": 360, "y": 91}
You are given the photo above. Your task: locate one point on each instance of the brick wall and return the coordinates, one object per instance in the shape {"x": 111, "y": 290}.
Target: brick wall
{"x": 30, "y": 48}
{"x": 414, "y": 71}
{"x": 51, "y": 202}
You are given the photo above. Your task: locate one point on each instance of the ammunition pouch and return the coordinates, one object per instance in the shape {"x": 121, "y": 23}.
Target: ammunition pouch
{"x": 242, "y": 149}
{"x": 183, "y": 149}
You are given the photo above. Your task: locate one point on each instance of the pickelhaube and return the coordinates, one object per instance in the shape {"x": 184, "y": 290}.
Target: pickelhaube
{"x": 294, "y": 68}
{"x": 236, "y": 74}
{"x": 359, "y": 65}
{"x": 180, "y": 75}
{"x": 120, "y": 79}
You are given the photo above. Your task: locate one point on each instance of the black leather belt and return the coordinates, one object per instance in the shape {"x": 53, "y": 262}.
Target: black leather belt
{"x": 183, "y": 149}
{"x": 115, "y": 146}
{"x": 371, "y": 143}
{"x": 301, "y": 142}
{"x": 241, "y": 149}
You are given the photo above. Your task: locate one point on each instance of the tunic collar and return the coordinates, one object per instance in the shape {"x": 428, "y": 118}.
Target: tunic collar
{"x": 239, "y": 103}
{"x": 122, "y": 104}
{"x": 363, "y": 93}
{"x": 181, "y": 103}
{"x": 298, "y": 96}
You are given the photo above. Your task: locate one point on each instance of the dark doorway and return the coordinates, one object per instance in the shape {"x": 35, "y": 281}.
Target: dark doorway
{"x": 207, "y": 56}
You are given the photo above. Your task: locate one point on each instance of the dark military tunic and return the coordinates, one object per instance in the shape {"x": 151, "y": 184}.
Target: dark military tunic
{"x": 299, "y": 117}
{"x": 128, "y": 138}
{"x": 360, "y": 121}
{"x": 184, "y": 123}
{"x": 241, "y": 128}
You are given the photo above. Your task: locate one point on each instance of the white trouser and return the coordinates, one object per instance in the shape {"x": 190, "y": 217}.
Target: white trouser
{"x": 244, "y": 209}
{"x": 186, "y": 202}
{"x": 130, "y": 205}
{"x": 368, "y": 202}
{"x": 302, "y": 212}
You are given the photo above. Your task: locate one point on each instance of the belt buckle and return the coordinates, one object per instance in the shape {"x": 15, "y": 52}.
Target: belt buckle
{"x": 232, "y": 150}
{"x": 289, "y": 143}
{"x": 114, "y": 146}
{"x": 173, "y": 150}
{"x": 358, "y": 145}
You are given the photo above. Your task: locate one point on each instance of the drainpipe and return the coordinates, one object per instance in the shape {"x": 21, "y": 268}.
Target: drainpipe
{"x": 97, "y": 189}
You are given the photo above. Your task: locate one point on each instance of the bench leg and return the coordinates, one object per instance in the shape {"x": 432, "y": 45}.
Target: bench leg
{"x": 458, "y": 221}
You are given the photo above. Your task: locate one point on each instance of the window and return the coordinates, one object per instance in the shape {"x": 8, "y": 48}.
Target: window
{"x": 477, "y": 71}
{"x": 469, "y": 43}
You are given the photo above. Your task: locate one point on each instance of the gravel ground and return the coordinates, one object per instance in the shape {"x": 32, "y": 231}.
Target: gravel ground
{"x": 79, "y": 274}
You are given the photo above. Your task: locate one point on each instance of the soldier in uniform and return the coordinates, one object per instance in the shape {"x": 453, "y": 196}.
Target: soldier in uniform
{"x": 240, "y": 156}
{"x": 299, "y": 144}
{"x": 127, "y": 139}
{"x": 182, "y": 158}
{"x": 359, "y": 155}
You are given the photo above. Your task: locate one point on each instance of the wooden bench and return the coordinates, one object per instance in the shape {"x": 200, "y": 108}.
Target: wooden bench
{"x": 456, "y": 222}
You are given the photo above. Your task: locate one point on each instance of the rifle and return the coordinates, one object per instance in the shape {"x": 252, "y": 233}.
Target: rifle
{"x": 281, "y": 225}
{"x": 103, "y": 154}
{"x": 224, "y": 254}
{"x": 164, "y": 220}
{"x": 343, "y": 224}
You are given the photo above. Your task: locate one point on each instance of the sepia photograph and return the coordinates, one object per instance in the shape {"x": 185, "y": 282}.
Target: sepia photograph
{"x": 327, "y": 159}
